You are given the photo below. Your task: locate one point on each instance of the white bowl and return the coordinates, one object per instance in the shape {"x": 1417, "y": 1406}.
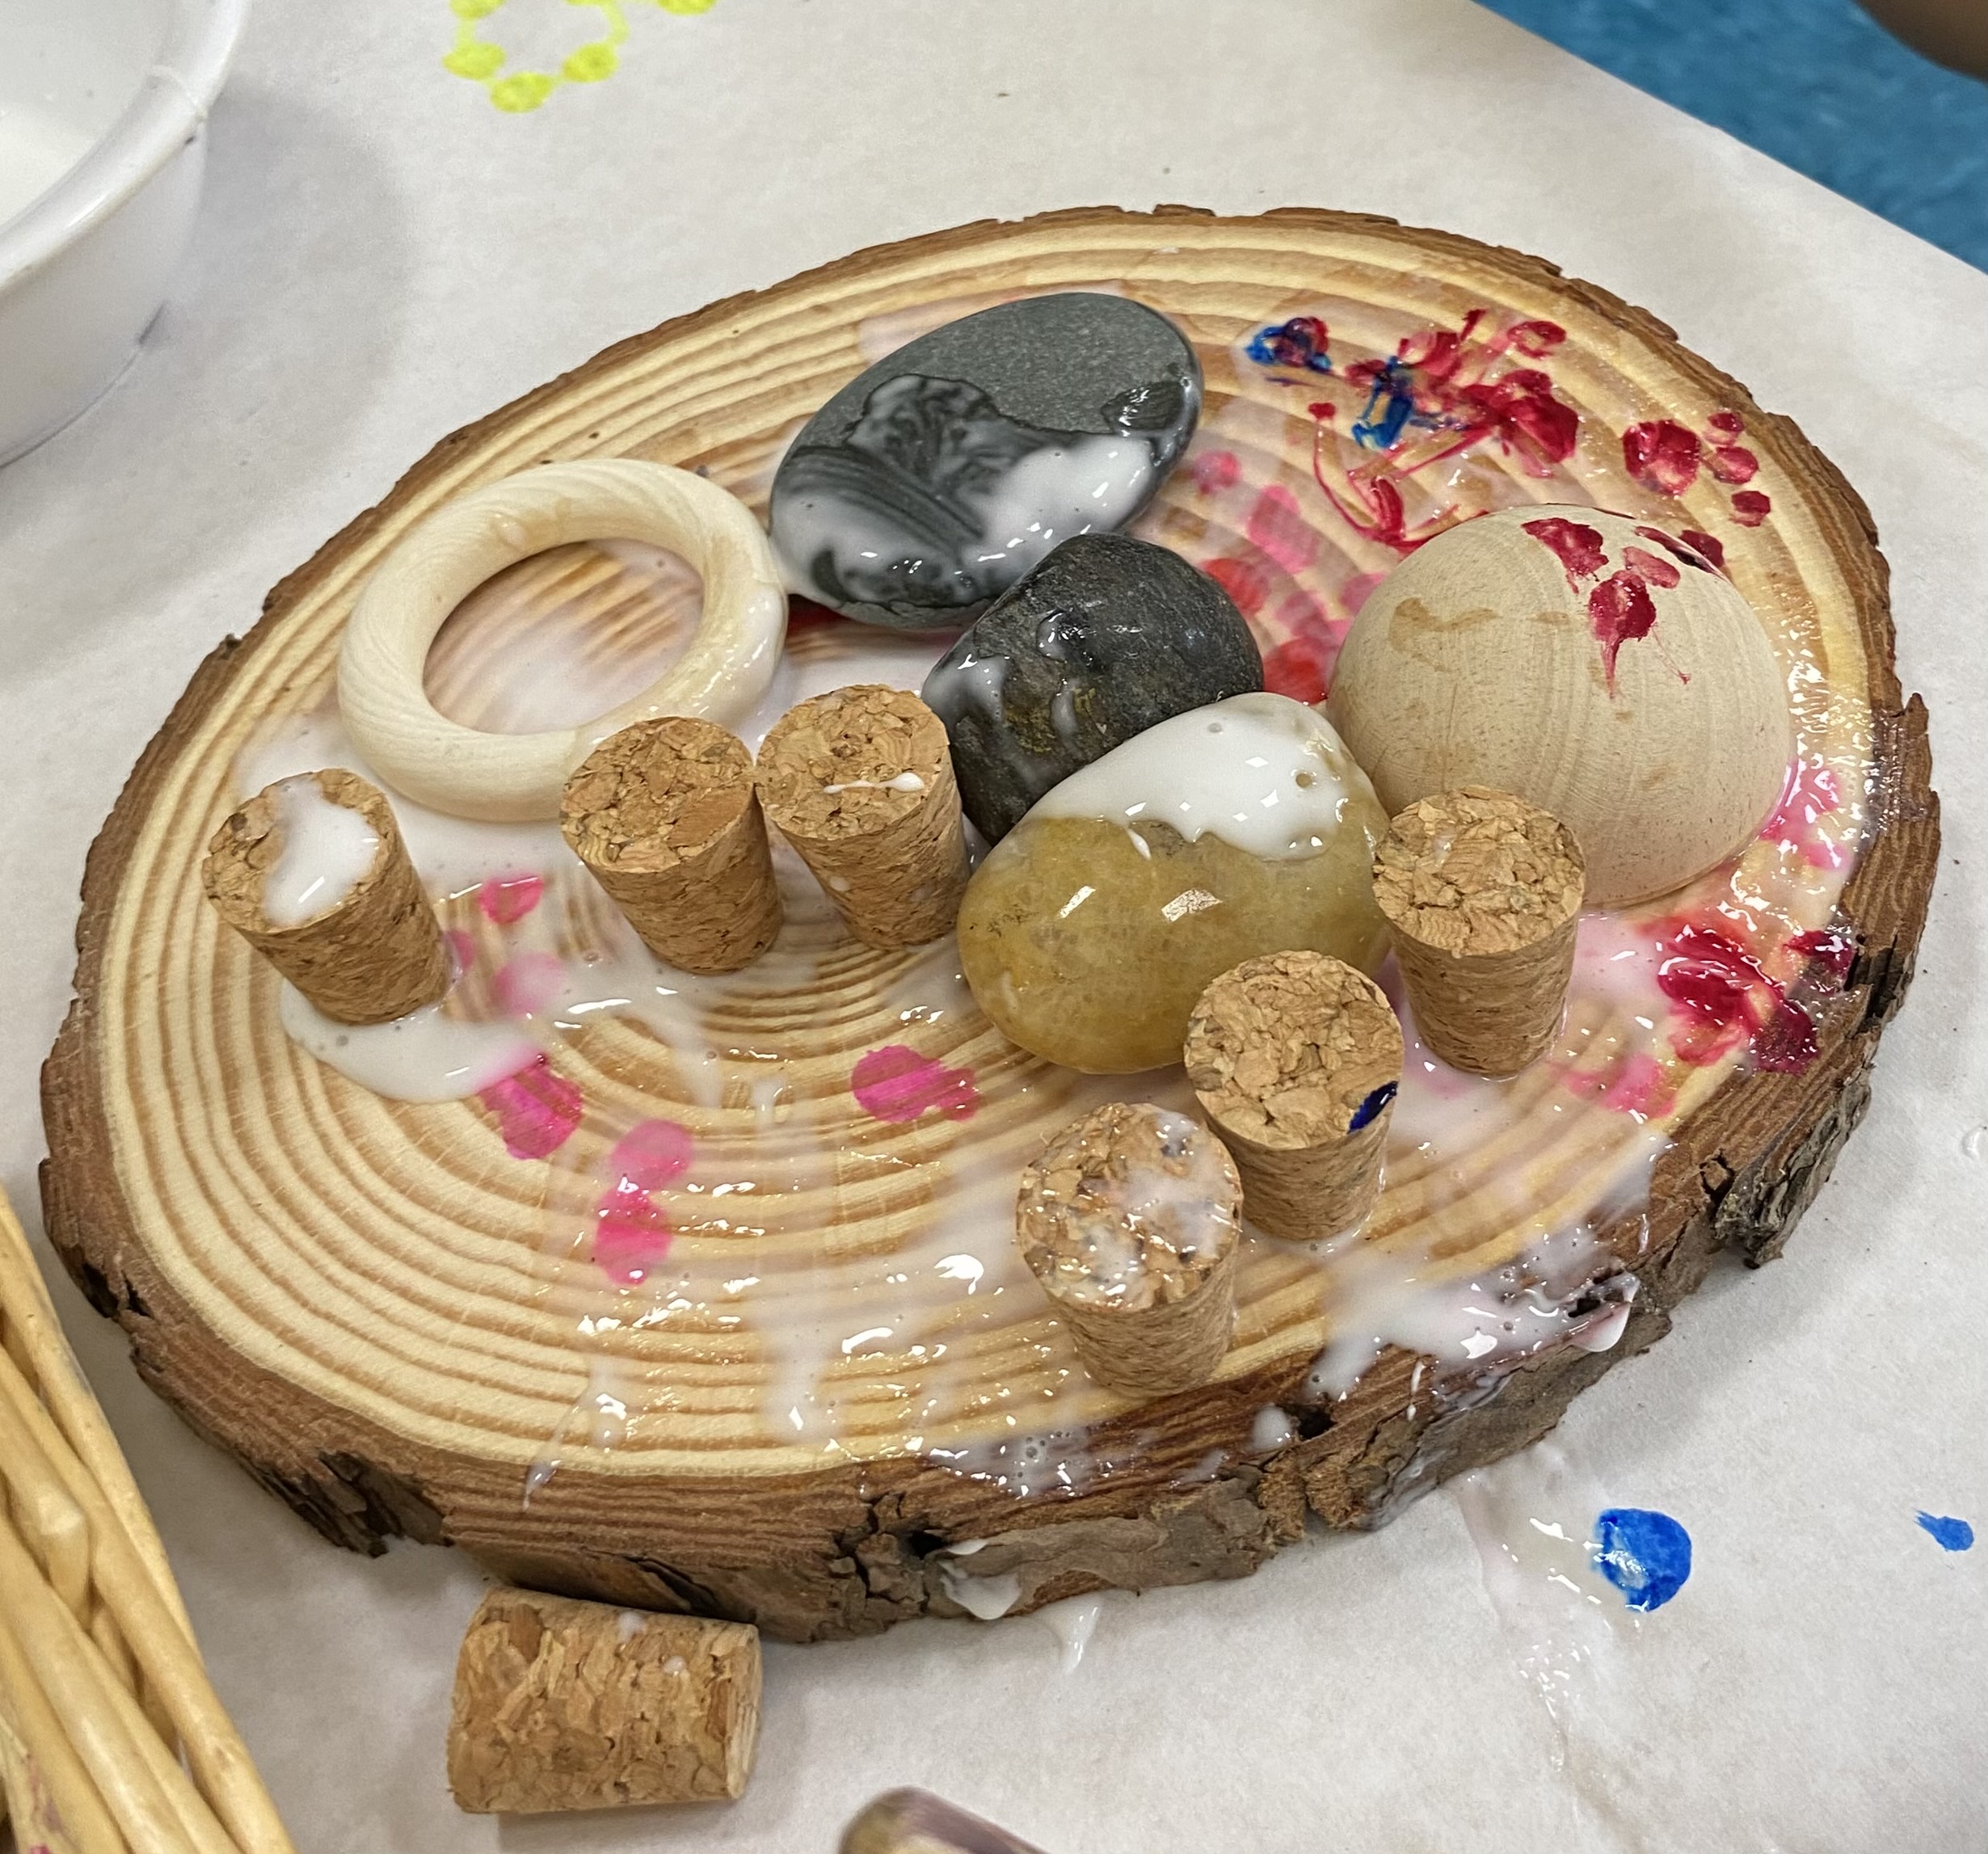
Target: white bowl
{"x": 103, "y": 106}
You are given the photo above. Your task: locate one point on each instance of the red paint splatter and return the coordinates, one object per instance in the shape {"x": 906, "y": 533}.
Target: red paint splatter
{"x": 1301, "y": 667}
{"x": 1620, "y": 611}
{"x": 1722, "y": 998}
{"x": 524, "y": 986}
{"x": 1708, "y": 545}
{"x": 652, "y": 1154}
{"x": 1660, "y": 455}
{"x": 1810, "y": 795}
{"x": 1214, "y": 471}
{"x": 1733, "y": 463}
{"x": 1575, "y": 545}
{"x": 894, "y": 1083}
{"x": 1521, "y": 410}
{"x": 1686, "y": 550}
{"x": 1649, "y": 569}
{"x": 508, "y": 899}
{"x": 1278, "y": 528}
{"x": 1244, "y": 582}
{"x": 1727, "y": 425}
{"x": 536, "y": 1109}
{"x": 1832, "y": 948}
{"x": 1751, "y": 506}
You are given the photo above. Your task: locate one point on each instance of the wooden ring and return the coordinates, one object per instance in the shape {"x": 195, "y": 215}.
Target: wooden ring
{"x": 510, "y": 777}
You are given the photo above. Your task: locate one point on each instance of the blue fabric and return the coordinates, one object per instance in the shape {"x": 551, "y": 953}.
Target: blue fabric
{"x": 1817, "y": 84}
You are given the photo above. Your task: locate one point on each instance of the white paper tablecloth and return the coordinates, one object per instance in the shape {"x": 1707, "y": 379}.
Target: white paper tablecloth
{"x": 385, "y": 256}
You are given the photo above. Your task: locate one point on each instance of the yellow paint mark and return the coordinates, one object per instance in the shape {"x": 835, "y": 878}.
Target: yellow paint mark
{"x": 481, "y": 60}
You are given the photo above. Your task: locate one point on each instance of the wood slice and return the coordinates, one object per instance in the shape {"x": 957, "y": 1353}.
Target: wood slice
{"x": 400, "y": 1325}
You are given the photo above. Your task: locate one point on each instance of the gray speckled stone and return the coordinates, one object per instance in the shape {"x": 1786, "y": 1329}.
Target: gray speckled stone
{"x": 932, "y": 483}
{"x": 1108, "y": 637}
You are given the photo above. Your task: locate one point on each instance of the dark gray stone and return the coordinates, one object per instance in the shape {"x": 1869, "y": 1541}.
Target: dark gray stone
{"x": 1108, "y": 637}
{"x": 932, "y": 483}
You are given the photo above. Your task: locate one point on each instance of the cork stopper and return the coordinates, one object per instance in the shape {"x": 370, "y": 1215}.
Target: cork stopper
{"x": 563, "y": 1704}
{"x": 312, "y": 874}
{"x": 860, "y": 782}
{"x": 1295, "y": 1058}
{"x": 664, "y": 815}
{"x": 1129, "y": 1220}
{"x": 1483, "y": 894}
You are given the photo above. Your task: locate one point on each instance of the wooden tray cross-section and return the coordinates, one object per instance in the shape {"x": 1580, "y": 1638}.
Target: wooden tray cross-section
{"x": 403, "y": 1318}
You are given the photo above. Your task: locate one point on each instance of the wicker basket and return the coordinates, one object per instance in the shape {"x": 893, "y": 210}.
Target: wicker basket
{"x": 112, "y": 1739}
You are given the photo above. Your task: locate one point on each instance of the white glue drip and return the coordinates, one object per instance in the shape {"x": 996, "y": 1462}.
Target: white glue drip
{"x": 326, "y": 850}
{"x": 904, "y": 782}
{"x": 1974, "y": 1142}
{"x": 988, "y": 1598}
{"x": 426, "y": 1056}
{"x": 1261, "y": 772}
{"x": 1072, "y": 1622}
{"x": 1271, "y": 1429}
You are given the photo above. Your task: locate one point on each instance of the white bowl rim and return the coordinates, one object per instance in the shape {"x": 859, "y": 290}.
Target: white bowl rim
{"x": 167, "y": 112}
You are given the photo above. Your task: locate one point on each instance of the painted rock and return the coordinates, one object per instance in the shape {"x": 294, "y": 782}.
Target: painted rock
{"x": 1239, "y": 828}
{"x": 1599, "y": 667}
{"x": 931, "y": 483}
{"x": 1107, "y": 637}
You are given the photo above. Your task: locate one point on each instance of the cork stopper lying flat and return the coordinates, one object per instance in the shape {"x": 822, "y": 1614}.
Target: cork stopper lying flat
{"x": 562, "y": 1705}
{"x": 1129, "y": 1219}
{"x": 1295, "y": 1058}
{"x": 312, "y": 874}
{"x": 860, "y": 782}
{"x": 1483, "y": 894}
{"x": 664, "y": 815}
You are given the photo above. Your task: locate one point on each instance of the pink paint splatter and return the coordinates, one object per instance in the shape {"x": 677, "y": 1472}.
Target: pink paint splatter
{"x": 1720, "y": 997}
{"x": 1357, "y": 590}
{"x": 1244, "y": 582}
{"x": 524, "y": 986}
{"x": 1302, "y": 666}
{"x": 632, "y": 1234}
{"x": 461, "y": 949}
{"x": 1810, "y": 795}
{"x": 536, "y": 1109}
{"x": 894, "y": 1083}
{"x": 1660, "y": 455}
{"x": 652, "y": 1154}
{"x": 1214, "y": 471}
{"x": 1638, "y": 1086}
{"x": 1276, "y": 526}
{"x": 508, "y": 899}
{"x": 1751, "y": 506}
{"x": 1575, "y": 545}
{"x": 1733, "y": 463}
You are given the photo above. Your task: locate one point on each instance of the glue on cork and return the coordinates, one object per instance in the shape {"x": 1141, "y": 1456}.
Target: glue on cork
{"x": 1482, "y": 893}
{"x": 664, "y": 815}
{"x": 1130, "y": 1220}
{"x": 860, "y": 782}
{"x": 1296, "y": 1058}
{"x": 312, "y": 874}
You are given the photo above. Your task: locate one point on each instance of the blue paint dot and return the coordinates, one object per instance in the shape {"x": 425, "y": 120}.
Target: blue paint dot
{"x": 1949, "y": 1535}
{"x": 1646, "y": 1556}
{"x": 1363, "y": 1114}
